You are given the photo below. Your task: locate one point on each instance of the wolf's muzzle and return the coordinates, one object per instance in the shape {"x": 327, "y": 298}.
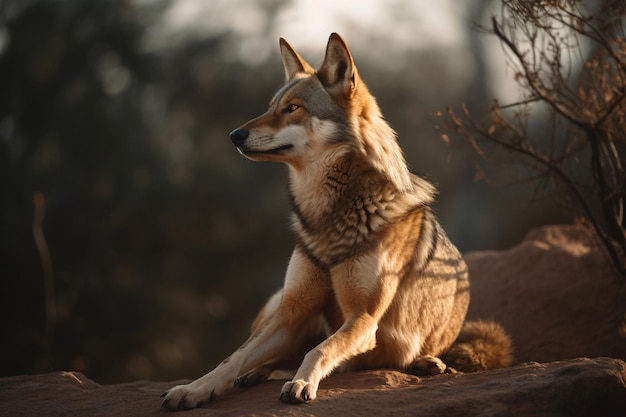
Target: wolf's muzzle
{"x": 239, "y": 136}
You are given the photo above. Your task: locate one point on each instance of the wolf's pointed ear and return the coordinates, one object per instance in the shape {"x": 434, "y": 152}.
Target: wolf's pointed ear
{"x": 293, "y": 62}
{"x": 338, "y": 67}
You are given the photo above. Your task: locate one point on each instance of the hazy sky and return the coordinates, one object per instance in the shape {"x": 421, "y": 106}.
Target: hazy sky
{"x": 416, "y": 24}
{"x": 385, "y": 27}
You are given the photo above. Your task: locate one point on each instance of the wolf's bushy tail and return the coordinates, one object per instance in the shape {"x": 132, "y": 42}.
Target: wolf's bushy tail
{"x": 481, "y": 345}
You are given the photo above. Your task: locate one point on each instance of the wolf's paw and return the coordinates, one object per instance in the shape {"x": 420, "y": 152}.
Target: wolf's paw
{"x": 427, "y": 366}
{"x": 299, "y": 391}
{"x": 185, "y": 397}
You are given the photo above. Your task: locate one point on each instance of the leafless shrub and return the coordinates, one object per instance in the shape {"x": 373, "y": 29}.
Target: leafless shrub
{"x": 568, "y": 57}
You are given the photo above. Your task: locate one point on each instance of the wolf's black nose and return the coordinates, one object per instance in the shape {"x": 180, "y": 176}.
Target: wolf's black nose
{"x": 238, "y": 136}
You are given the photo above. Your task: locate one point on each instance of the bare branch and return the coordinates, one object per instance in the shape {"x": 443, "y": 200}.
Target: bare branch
{"x": 582, "y": 152}
{"x": 533, "y": 80}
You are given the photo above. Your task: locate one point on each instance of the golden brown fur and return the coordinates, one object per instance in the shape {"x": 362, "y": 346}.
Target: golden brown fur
{"x": 373, "y": 280}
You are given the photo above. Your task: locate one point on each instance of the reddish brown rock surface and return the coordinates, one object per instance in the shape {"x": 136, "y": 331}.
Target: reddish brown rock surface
{"x": 579, "y": 387}
{"x": 555, "y": 294}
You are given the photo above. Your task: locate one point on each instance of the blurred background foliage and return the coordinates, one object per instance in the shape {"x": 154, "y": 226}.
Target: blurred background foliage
{"x": 163, "y": 241}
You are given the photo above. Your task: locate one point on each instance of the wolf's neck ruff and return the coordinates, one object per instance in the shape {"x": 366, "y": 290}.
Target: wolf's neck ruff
{"x": 345, "y": 203}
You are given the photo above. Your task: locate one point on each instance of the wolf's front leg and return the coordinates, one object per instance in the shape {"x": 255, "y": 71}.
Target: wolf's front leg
{"x": 363, "y": 306}
{"x": 357, "y": 335}
{"x": 204, "y": 389}
{"x": 286, "y": 320}
{"x": 268, "y": 344}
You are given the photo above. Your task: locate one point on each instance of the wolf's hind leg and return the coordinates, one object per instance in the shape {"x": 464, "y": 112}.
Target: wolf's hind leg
{"x": 427, "y": 366}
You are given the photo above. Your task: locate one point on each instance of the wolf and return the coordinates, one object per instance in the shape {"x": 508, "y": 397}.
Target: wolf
{"x": 373, "y": 281}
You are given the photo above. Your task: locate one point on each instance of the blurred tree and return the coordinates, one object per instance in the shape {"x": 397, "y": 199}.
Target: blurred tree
{"x": 72, "y": 132}
{"x": 569, "y": 57}
{"x": 116, "y": 158}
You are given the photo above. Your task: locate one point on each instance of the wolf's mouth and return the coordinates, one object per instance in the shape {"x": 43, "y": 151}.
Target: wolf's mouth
{"x": 274, "y": 151}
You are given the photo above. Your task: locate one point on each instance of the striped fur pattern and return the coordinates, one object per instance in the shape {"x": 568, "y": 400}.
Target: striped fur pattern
{"x": 373, "y": 280}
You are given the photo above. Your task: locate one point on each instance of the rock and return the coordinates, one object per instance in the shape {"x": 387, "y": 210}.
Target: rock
{"x": 555, "y": 293}
{"x": 578, "y": 387}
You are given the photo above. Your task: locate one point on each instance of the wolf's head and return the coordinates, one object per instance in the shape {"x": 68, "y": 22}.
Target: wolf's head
{"x": 320, "y": 115}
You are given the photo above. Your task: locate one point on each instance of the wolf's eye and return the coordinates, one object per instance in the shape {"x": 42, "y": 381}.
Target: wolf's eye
{"x": 291, "y": 108}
